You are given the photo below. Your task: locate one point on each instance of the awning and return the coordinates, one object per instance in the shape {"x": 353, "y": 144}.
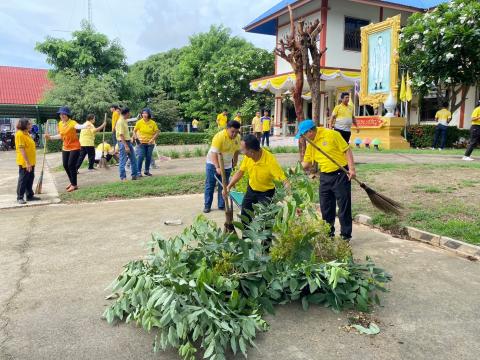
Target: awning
{"x": 282, "y": 83}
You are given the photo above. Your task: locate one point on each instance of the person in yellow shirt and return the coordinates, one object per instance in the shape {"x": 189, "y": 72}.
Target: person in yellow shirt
{"x": 87, "y": 142}
{"x": 115, "y": 109}
{"x": 125, "y": 147}
{"x": 226, "y": 142}
{"x": 443, "y": 117}
{"x": 238, "y": 117}
{"x": 106, "y": 149}
{"x": 474, "y": 133}
{"x": 26, "y": 159}
{"x": 265, "y": 120}
{"x": 343, "y": 118}
{"x": 335, "y": 185}
{"x": 146, "y": 130}
{"x": 257, "y": 126}
{"x": 222, "y": 119}
{"x": 263, "y": 171}
{"x": 195, "y": 123}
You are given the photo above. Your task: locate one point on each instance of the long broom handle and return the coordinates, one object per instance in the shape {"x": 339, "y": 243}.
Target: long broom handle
{"x": 224, "y": 180}
{"x": 103, "y": 135}
{"x": 330, "y": 158}
{"x": 44, "y": 147}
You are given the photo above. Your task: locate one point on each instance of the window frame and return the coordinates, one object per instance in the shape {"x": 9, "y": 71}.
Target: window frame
{"x": 368, "y": 21}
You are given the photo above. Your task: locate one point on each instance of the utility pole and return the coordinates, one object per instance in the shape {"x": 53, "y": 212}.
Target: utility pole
{"x": 89, "y": 5}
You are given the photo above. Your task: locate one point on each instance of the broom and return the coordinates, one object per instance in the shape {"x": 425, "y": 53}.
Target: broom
{"x": 38, "y": 189}
{"x": 228, "y": 226}
{"x": 103, "y": 161}
{"x": 381, "y": 202}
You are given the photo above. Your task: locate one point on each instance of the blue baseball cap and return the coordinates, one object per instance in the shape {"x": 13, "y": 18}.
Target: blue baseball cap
{"x": 64, "y": 110}
{"x": 148, "y": 111}
{"x": 304, "y": 127}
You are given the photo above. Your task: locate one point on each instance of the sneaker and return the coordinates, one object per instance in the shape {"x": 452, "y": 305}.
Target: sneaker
{"x": 206, "y": 210}
{"x": 440, "y": 149}
{"x": 432, "y": 148}
{"x": 21, "y": 202}
{"x": 148, "y": 174}
{"x": 135, "y": 177}
{"x": 33, "y": 198}
{"x": 347, "y": 239}
{"x": 467, "y": 158}
{"x": 92, "y": 169}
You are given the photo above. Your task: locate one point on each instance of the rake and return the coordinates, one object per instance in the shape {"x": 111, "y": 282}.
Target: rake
{"x": 103, "y": 161}
{"x": 38, "y": 189}
{"x": 381, "y": 202}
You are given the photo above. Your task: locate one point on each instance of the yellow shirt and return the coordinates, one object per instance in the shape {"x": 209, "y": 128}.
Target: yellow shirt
{"x": 256, "y": 124}
{"x": 104, "y": 147}
{"x": 238, "y": 118}
{"x": 265, "y": 123}
{"x": 115, "y": 117}
{"x": 443, "y": 116}
{"x": 68, "y": 133}
{"x": 475, "y": 114}
{"x": 344, "y": 117}
{"x": 23, "y": 140}
{"x": 87, "y": 136}
{"x": 222, "y": 120}
{"x": 222, "y": 143}
{"x": 263, "y": 173}
{"x": 145, "y": 130}
{"x": 195, "y": 123}
{"x": 121, "y": 128}
{"x": 333, "y": 144}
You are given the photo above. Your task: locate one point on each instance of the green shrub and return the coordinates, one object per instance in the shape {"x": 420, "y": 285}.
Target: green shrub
{"x": 421, "y": 136}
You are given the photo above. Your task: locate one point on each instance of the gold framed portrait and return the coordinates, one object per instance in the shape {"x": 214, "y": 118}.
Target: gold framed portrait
{"x": 379, "y": 69}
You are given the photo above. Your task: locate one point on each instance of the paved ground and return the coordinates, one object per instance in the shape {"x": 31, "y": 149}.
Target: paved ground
{"x": 57, "y": 260}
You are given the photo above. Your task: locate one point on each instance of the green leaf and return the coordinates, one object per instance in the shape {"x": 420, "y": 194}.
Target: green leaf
{"x": 293, "y": 284}
{"x": 243, "y": 347}
{"x": 305, "y": 303}
{"x": 233, "y": 344}
{"x": 210, "y": 350}
{"x": 373, "y": 329}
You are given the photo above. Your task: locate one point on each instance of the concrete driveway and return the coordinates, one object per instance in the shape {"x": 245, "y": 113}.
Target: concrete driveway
{"x": 57, "y": 260}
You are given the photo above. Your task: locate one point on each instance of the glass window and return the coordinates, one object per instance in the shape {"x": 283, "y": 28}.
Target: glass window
{"x": 352, "y": 33}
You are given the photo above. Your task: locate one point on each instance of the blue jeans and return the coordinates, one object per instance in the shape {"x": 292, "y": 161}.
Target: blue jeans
{"x": 144, "y": 152}
{"x": 210, "y": 183}
{"x": 440, "y": 130}
{"x": 123, "y": 160}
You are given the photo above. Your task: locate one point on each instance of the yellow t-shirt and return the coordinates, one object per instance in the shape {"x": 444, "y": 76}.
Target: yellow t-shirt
{"x": 222, "y": 120}
{"x": 104, "y": 147}
{"x": 238, "y": 118}
{"x": 222, "y": 143}
{"x": 87, "y": 136}
{"x": 256, "y": 124}
{"x": 475, "y": 114}
{"x": 443, "y": 116}
{"x": 265, "y": 123}
{"x": 115, "y": 117}
{"x": 121, "y": 128}
{"x": 195, "y": 123}
{"x": 344, "y": 117}
{"x": 68, "y": 133}
{"x": 263, "y": 173}
{"x": 145, "y": 130}
{"x": 333, "y": 144}
{"x": 23, "y": 140}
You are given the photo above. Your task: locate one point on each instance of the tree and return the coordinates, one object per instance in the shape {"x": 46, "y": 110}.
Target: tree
{"x": 440, "y": 49}
{"x": 89, "y": 52}
{"x": 165, "y": 111}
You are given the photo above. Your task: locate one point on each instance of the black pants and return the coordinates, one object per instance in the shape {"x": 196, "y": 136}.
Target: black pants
{"x": 70, "y": 160}
{"x": 254, "y": 197}
{"x": 266, "y": 135}
{"x": 440, "y": 133}
{"x": 345, "y": 134}
{"x": 474, "y": 139}
{"x": 86, "y": 150}
{"x": 25, "y": 183}
{"x": 335, "y": 188}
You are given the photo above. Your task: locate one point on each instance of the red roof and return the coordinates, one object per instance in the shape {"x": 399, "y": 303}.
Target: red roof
{"x": 22, "y": 85}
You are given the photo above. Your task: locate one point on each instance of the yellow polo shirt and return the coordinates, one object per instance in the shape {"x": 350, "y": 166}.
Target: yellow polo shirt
{"x": 115, "y": 117}
{"x": 265, "y": 123}
{"x": 104, "y": 147}
{"x": 145, "y": 130}
{"x": 263, "y": 173}
{"x": 222, "y": 120}
{"x": 475, "y": 114}
{"x": 23, "y": 140}
{"x": 443, "y": 116}
{"x": 222, "y": 143}
{"x": 343, "y": 117}
{"x": 87, "y": 136}
{"x": 121, "y": 128}
{"x": 195, "y": 123}
{"x": 333, "y": 144}
{"x": 256, "y": 124}
{"x": 238, "y": 118}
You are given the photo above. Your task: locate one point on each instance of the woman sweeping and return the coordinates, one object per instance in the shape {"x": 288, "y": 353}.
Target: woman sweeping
{"x": 67, "y": 132}
{"x": 146, "y": 130}
{"x": 87, "y": 142}
{"x": 26, "y": 157}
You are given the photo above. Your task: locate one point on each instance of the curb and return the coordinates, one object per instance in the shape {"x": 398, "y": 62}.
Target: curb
{"x": 463, "y": 249}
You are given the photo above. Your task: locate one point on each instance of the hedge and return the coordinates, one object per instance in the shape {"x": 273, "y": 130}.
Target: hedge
{"x": 165, "y": 138}
{"x": 421, "y": 136}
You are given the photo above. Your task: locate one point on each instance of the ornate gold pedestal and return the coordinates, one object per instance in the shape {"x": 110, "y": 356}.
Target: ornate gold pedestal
{"x": 387, "y": 129}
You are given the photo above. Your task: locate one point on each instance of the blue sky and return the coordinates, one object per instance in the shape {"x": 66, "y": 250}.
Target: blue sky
{"x": 144, "y": 27}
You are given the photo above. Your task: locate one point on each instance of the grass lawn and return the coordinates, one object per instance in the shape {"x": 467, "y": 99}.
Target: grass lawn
{"x": 442, "y": 199}
{"x": 363, "y": 150}
{"x": 153, "y": 186}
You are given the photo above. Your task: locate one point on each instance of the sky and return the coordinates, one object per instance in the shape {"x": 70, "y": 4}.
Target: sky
{"x": 144, "y": 27}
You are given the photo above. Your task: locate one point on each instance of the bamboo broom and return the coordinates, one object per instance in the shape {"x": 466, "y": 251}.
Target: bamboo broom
{"x": 381, "y": 202}
{"x": 103, "y": 161}
{"x": 228, "y": 226}
{"x": 38, "y": 189}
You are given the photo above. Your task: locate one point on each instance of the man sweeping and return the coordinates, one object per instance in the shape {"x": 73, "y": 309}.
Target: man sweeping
{"x": 335, "y": 185}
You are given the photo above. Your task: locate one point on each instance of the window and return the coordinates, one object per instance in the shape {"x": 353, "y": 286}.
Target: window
{"x": 352, "y": 33}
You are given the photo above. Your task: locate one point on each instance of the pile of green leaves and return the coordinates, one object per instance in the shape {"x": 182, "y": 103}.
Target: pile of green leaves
{"x": 208, "y": 290}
